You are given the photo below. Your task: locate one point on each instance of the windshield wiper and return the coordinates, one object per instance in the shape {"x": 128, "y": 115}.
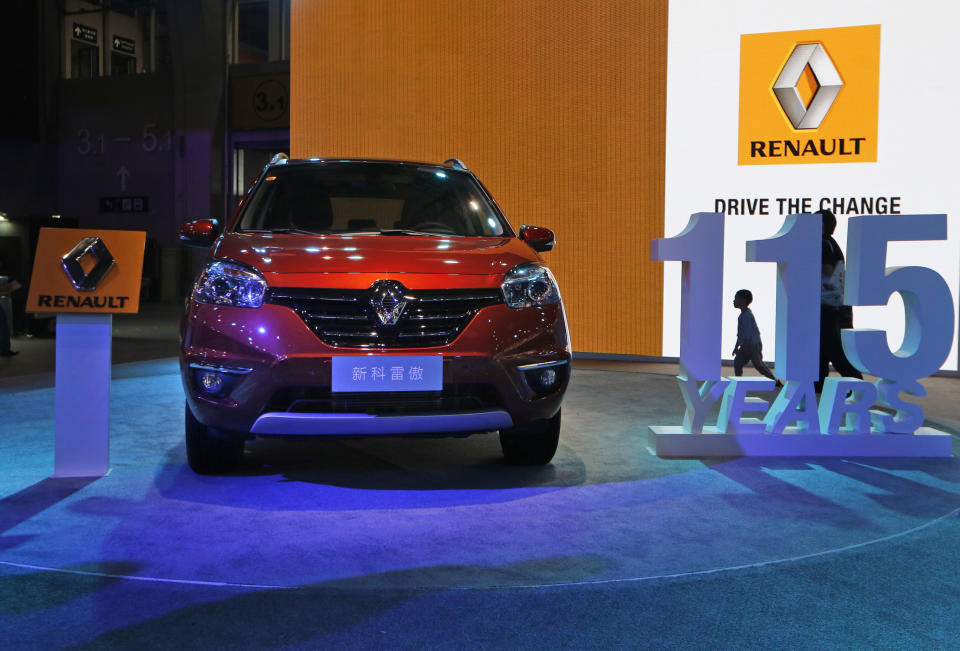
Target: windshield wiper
{"x": 281, "y": 231}
{"x": 404, "y": 231}
{"x": 293, "y": 230}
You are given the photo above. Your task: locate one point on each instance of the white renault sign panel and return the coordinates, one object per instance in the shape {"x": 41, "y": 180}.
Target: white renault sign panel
{"x": 836, "y": 107}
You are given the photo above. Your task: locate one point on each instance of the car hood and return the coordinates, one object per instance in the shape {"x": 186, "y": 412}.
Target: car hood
{"x": 374, "y": 253}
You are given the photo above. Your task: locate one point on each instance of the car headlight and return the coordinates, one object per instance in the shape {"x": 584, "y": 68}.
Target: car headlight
{"x": 529, "y": 285}
{"x": 228, "y": 283}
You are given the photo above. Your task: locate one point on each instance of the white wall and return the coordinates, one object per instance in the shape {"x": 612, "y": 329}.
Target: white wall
{"x": 918, "y": 139}
{"x": 126, "y": 26}
{"x": 93, "y": 19}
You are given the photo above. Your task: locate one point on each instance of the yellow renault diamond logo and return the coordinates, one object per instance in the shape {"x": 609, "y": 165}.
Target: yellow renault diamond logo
{"x": 809, "y": 96}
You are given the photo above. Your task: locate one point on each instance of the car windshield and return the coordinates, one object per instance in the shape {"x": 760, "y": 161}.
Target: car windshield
{"x": 384, "y": 198}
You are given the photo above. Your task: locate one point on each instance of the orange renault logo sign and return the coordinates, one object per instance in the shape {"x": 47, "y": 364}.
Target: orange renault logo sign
{"x": 809, "y": 96}
{"x": 77, "y": 270}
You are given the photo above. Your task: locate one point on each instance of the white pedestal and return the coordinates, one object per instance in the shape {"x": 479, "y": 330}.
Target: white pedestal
{"x": 672, "y": 441}
{"x": 82, "y": 395}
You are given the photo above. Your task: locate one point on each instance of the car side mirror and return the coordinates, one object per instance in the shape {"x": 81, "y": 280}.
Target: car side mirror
{"x": 538, "y": 237}
{"x": 200, "y": 232}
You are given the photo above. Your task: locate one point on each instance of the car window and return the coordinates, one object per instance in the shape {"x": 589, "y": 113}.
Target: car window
{"x": 370, "y": 197}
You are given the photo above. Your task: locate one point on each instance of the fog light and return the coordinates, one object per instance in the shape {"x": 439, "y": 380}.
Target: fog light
{"x": 216, "y": 381}
{"x": 548, "y": 377}
{"x": 211, "y": 382}
{"x": 544, "y": 377}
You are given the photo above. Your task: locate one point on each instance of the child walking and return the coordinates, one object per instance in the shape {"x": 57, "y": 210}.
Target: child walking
{"x": 749, "y": 347}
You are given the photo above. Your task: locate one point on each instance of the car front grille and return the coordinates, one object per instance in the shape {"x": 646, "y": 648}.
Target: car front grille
{"x": 348, "y": 318}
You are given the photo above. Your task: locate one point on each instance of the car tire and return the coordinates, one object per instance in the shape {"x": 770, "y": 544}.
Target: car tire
{"x": 210, "y": 455}
{"x": 532, "y": 444}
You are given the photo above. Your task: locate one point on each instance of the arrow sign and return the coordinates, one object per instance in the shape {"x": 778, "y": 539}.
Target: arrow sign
{"x": 123, "y": 44}
{"x": 85, "y": 33}
{"x": 123, "y": 173}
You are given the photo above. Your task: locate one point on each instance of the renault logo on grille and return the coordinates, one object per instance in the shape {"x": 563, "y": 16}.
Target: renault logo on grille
{"x": 388, "y": 301}
{"x": 72, "y": 262}
{"x": 826, "y": 84}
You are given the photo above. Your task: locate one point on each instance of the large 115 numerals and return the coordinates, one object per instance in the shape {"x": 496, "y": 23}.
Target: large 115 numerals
{"x": 928, "y": 304}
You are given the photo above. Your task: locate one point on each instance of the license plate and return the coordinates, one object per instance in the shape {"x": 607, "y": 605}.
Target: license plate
{"x": 370, "y": 373}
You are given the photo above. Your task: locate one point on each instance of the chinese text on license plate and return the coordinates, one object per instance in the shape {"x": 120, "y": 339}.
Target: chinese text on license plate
{"x": 413, "y": 373}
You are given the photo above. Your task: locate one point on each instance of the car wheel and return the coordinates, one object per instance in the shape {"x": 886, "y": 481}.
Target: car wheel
{"x": 533, "y": 444}
{"x": 210, "y": 455}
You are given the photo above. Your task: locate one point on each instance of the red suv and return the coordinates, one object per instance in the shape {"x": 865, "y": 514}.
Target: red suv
{"x": 359, "y": 298}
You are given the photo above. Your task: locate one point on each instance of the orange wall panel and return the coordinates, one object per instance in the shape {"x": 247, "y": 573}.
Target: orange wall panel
{"x": 559, "y": 108}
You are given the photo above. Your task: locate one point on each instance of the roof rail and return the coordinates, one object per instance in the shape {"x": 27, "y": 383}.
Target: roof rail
{"x": 277, "y": 158}
{"x": 456, "y": 164}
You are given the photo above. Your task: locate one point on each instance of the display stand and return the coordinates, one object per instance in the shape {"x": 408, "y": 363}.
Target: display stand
{"x": 82, "y": 395}
{"x": 673, "y": 442}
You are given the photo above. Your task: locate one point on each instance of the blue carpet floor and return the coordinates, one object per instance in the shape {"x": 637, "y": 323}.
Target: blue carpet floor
{"x": 421, "y": 543}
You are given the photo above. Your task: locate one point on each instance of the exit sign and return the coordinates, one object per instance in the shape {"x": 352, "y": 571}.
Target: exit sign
{"x": 124, "y": 204}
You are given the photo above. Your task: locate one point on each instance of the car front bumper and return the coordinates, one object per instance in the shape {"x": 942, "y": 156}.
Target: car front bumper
{"x": 269, "y": 352}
